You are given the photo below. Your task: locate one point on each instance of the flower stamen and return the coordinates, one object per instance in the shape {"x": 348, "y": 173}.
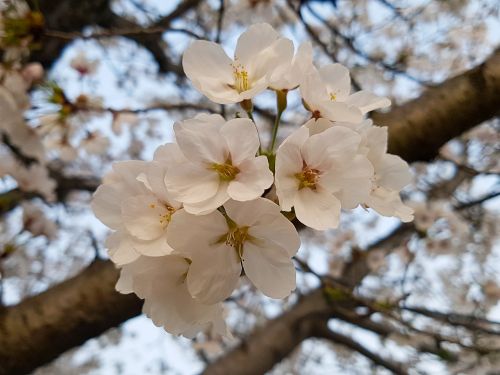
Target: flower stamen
{"x": 226, "y": 171}
{"x": 241, "y": 82}
{"x": 308, "y": 178}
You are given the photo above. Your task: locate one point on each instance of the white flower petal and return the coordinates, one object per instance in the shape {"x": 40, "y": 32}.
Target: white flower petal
{"x": 335, "y": 141}
{"x": 337, "y": 79}
{"x": 211, "y": 204}
{"x": 250, "y": 213}
{"x": 272, "y": 61}
{"x": 241, "y": 138}
{"x": 214, "y": 272}
{"x": 393, "y": 172}
{"x": 367, "y": 101}
{"x": 270, "y": 268}
{"x": 120, "y": 248}
{"x": 350, "y": 181}
{"x": 200, "y": 141}
{"x": 288, "y": 163}
{"x": 210, "y": 69}
{"x": 338, "y": 111}
{"x": 317, "y": 209}
{"x": 154, "y": 248}
{"x": 209, "y": 229}
{"x": 190, "y": 183}
{"x": 279, "y": 230}
{"x": 388, "y": 203}
{"x": 106, "y": 204}
{"x": 253, "y": 41}
{"x": 254, "y": 177}
{"x": 319, "y": 125}
{"x": 143, "y": 216}
{"x": 169, "y": 153}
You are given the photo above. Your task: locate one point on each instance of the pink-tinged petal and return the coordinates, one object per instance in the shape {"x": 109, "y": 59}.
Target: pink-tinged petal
{"x": 163, "y": 280}
{"x": 375, "y": 138}
{"x": 338, "y": 111}
{"x": 289, "y": 162}
{"x": 393, "y": 172}
{"x": 106, "y": 204}
{"x": 211, "y": 204}
{"x": 155, "y": 176}
{"x": 367, "y": 101}
{"x": 336, "y": 141}
{"x": 120, "y": 248}
{"x": 317, "y": 126}
{"x": 253, "y": 41}
{"x": 214, "y": 272}
{"x": 144, "y": 217}
{"x": 189, "y": 183}
{"x": 272, "y": 61}
{"x": 169, "y": 153}
{"x": 337, "y": 80}
{"x": 350, "y": 181}
{"x": 388, "y": 203}
{"x": 318, "y": 209}
{"x": 126, "y": 173}
{"x": 208, "y": 67}
{"x": 154, "y": 248}
{"x": 241, "y": 138}
{"x": 270, "y": 268}
{"x": 209, "y": 229}
{"x": 289, "y": 74}
{"x": 313, "y": 90}
{"x": 254, "y": 177}
{"x": 200, "y": 141}
{"x": 277, "y": 229}
{"x": 247, "y": 214}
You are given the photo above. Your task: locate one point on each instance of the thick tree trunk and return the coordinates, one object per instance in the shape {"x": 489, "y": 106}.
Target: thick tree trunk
{"x": 42, "y": 327}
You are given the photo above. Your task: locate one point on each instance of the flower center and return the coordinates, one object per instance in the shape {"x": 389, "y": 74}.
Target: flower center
{"x": 226, "y": 171}
{"x": 308, "y": 178}
{"x": 166, "y": 212}
{"x": 240, "y": 75}
{"x": 236, "y": 238}
{"x": 333, "y": 97}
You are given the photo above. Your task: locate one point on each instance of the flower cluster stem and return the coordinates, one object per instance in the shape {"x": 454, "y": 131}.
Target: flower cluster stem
{"x": 281, "y": 104}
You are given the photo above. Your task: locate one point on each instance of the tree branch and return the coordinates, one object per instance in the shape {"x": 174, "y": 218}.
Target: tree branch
{"x": 38, "y": 329}
{"x": 321, "y": 330}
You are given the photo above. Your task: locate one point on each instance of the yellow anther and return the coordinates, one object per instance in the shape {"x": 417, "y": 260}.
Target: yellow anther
{"x": 226, "y": 171}
{"x": 241, "y": 82}
{"x": 308, "y": 178}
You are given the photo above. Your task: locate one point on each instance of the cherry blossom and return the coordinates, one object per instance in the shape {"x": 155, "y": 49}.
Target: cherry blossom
{"x": 391, "y": 173}
{"x": 134, "y": 202}
{"x": 296, "y": 69}
{"x": 315, "y": 173}
{"x": 161, "y": 282}
{"x": 261, "y": 54}
{"x": 326, "y": 93}
{"x": 215, "y": 162}
{"x": 251, "y": 236}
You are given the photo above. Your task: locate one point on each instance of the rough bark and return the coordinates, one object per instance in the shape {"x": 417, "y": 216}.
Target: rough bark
{"x": 37, "y": 330}
{"x": 274, "y": 341}
{"x": 42, "y": 327}
{"x": 420, "y": 127}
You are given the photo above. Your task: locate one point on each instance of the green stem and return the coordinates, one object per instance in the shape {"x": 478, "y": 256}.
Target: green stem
{"x": 281, "y": 103}
{"x": 250, "y": 116}
{"x": 275, "y": 131}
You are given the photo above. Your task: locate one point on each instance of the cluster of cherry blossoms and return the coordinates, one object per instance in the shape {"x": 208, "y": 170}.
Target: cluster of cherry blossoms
{"x": 215, "y": 205}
